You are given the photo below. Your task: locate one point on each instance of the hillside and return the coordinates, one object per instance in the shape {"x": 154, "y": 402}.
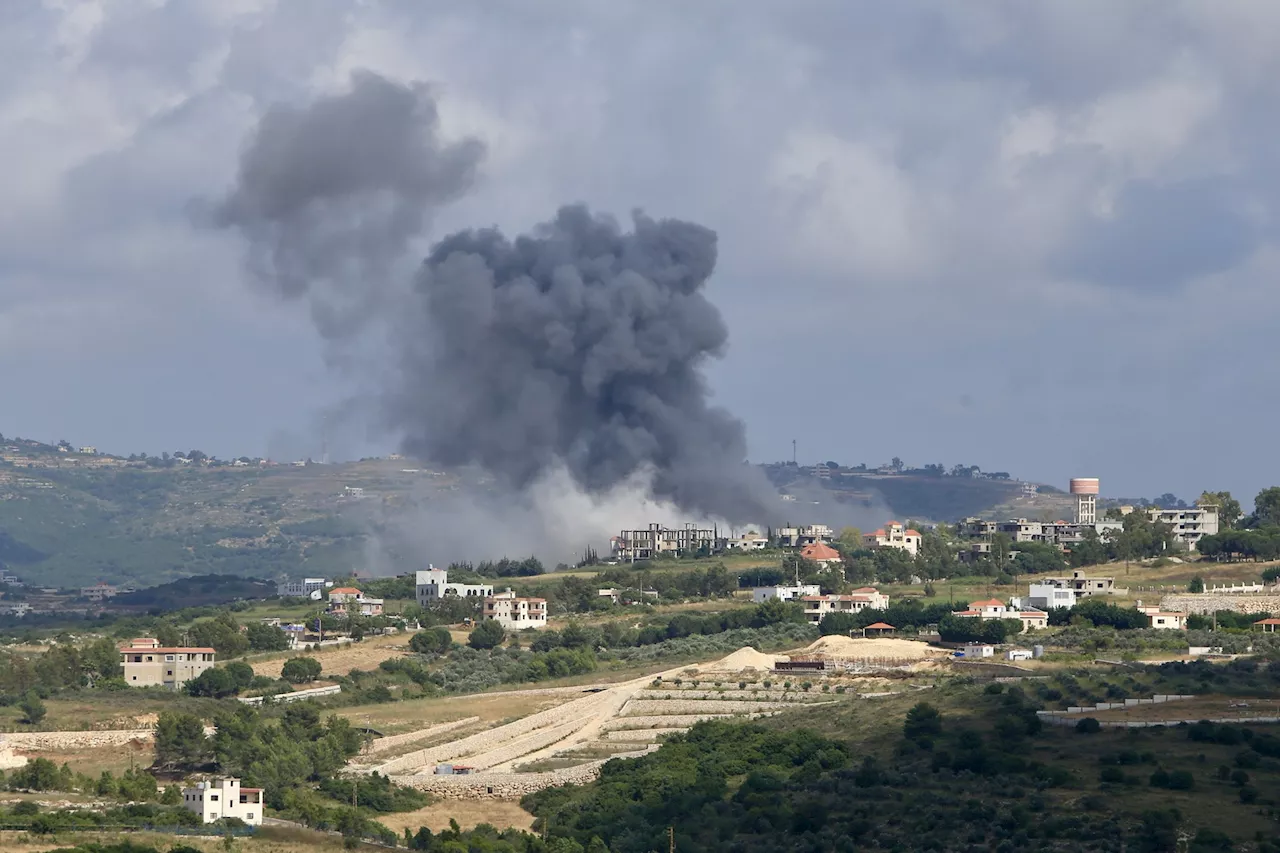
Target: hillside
{"x": 70, "y": 518}
{"x": 70, "y": 526}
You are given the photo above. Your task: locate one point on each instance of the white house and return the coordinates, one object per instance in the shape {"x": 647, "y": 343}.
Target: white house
{"x": 1162, "y": 620}
{"x": 796, "y": 537}
{"x": 1046, "y": 596}
{"x": 784, "y": 593}
{"x": 223, "y": 797}
{"x": 979, "y": 650}
{"x": 822, "y": 554}
{"x": 894, "y": 535}
{"x": 749, "y": 541}
{"x": 818, "y": 606}
{"x": 312, "y": 588}
{"x": 514, "y": 612}
{"x": 994, "y": 608}
{"x": 349, "y": 601}
{"x": 433, "y": 585}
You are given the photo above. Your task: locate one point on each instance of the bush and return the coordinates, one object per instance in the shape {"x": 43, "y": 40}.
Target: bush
{"x": 431, "y": 641}
{"x": 487, "y": 635}
{"x": 922, "y": 721}
{"x": 33, "y": 710}
{"x": 1088, "y": 726}
{"x": 300, "y": 670}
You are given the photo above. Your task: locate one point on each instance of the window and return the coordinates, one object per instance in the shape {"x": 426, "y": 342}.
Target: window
{"x": 249, "y": 815}
{"x": 168, "y": 672}
{"x": 168, "y": 657}
{"x": 213, "y": 798}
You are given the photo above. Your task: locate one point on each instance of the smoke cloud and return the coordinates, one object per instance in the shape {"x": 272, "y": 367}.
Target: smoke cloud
{"x": 577, "y": 348}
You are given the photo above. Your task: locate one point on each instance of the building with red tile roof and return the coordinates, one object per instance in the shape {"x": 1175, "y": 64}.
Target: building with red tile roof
{"x": 821, "y": 553}
{"x": 894, "y": 535}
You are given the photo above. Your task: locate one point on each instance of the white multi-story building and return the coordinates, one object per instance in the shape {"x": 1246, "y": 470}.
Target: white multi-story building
{"x": 784, "y": 593}
{"x": 656, "y": 540}
{"x": 220, "y": 798}
{"x": 349, "y": 601}
{"x": 1189, "y": 525}
{"x": 994, "y": 608}
{"x": 433, "y": 585}
{"x": 312, "y": 588}
{"x": 1082, "y": 585}
{"x": 750, "y": 541}
{"x": 818, "y": 606}
{"x": 1046, "y": 596}
{"x": 798, "y": 537}
{"x": 894, "y": 535}
{"x": 514, "y": 612}
{"x": 146, "y": 663}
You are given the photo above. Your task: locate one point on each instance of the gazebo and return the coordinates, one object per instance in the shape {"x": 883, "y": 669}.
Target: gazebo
{"x": 1268, "y": 625}
{"x": 876, "y": 629}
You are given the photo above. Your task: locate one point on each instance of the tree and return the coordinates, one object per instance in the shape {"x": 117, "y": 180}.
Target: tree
{"x": 837, "y": 623}
{"x": 216, "y": 683}
{"x": 850, "y": 538}
{"x": 1196, "y": 585}
{"x": 487, "y": 635}
{"x": 431, "y": 641}
{"x": 266, "y": 638}
{"x": 180, "y": 741}
{"x": 33, "y": 709}
{"x": 922, "y": 721}
{"x": 1229, "y": 510}
{"x": 300, "y": 670}
{"x": 1266, "y": 508}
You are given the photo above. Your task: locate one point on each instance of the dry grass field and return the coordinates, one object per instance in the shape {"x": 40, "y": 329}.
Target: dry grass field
{"x": 500, "y": 814}
{"x": 267, "y": 840}
{"x": 340, "y": 660}
{"x": 399, "y": 717}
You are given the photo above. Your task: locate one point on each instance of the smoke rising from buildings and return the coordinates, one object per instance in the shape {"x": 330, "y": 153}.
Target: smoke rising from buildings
{"x": 577, "y": 348}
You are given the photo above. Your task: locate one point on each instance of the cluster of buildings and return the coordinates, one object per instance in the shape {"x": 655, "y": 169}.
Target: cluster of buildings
{"x": 511, "y": 611}
{"x": 1188, "y": 524}
{"x": 657, "y": 540}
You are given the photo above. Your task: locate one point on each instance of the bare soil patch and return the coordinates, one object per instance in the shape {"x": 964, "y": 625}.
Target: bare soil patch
{"x": 501, "y": 814}
{"x": 340, "y": 660}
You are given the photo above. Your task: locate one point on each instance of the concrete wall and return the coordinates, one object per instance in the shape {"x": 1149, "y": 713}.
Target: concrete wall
{"x": 384, "y": 744}
{"x": 1208, "y": 602}
{"x": 504, "y": 786}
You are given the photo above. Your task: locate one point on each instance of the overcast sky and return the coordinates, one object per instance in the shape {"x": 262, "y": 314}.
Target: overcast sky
{"x": 1036, "y": 237}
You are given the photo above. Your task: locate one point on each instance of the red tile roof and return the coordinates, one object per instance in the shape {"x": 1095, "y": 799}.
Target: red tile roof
{"x": 819, "y": 551}
{"x": 991, "y": 602}
{"x": 166, "y": 649}
{"x": 912, "y": 532}
{"x": 346, "y": 590}
{"x": 881, "y": 626}
{"x": 1267, "y": 622}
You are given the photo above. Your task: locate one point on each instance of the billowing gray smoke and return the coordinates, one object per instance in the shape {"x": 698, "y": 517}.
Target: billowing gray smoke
{"x": 579, "y": 346}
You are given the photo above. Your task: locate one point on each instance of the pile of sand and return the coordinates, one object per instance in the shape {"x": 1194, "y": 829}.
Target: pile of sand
{"x": 883, "y": 647}
{"x": 743, "y": 659}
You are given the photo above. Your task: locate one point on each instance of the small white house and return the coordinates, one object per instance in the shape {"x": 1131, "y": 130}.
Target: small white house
{"x": 1018, "y": 654}
{"x": 979, "y": 650}
{"x": 784, "y": 593}
{"x": 223, "y": 797}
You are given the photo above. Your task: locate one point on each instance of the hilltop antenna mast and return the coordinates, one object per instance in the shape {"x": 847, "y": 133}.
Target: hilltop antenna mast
{"x": 793, "y": 451}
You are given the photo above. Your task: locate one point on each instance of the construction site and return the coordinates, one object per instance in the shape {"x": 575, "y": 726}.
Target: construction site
{"x": 580, "y": 728}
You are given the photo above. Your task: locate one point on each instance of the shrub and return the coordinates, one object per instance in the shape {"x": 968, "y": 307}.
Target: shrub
{"x": 431, "y": 641}
{"x": 33, "y": 710}
{"x": 487, "y": 635}
{"x": 922, "y": 721}
{"x": 300, "y": 670}
{"x": 1088, "y": 726}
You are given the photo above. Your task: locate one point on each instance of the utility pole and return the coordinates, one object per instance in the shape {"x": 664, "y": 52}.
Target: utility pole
{"x": 793, "y": 451}
{"x": 671, "y": 839}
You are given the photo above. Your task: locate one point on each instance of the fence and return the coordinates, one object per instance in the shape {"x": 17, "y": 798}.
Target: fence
{"x": 296, "y": 695}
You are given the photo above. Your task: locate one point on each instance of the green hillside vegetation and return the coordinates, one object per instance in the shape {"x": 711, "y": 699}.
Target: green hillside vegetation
{"x": 970, "y": 768}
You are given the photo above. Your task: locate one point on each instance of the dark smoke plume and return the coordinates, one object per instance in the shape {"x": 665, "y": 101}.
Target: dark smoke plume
{"x": 577, "y": 347}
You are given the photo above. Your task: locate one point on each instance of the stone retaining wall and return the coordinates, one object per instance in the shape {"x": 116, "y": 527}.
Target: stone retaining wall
{"x": 1206, "y": 603}
{"x": 504, "y": 786}
{"x": 74, "y": 740}
{"x": 734, "y": 695}
{"x": 1056, "y": 720}
{"x": 671, "y": 722}
{"x": 658, "y": 707}
{"x": 478, "y": 743}
{"x": 384, "y": 744}
{"x": 532, "y": 742}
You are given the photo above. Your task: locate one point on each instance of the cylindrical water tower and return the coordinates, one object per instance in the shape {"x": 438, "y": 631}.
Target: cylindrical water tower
{"x": 1086, "y": 491}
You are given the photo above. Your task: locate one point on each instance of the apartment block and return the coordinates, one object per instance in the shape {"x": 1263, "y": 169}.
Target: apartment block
{"x": 433, "y": 585}
{"x": 514, "y": 612}
{"x": 148, "y": 664}
{"x": 222, "y": 798}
